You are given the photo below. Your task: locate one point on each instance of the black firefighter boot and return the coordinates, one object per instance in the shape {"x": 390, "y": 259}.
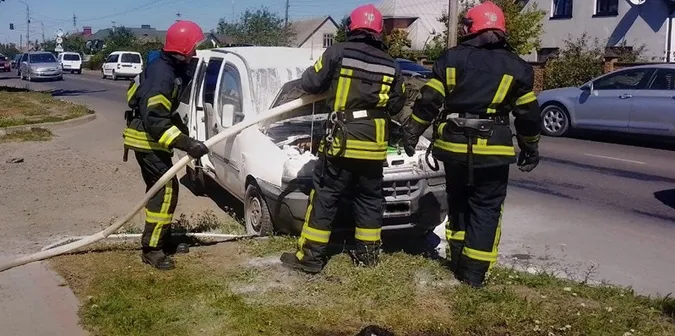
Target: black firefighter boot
{"x": 172, "y": 245}
{"x": 310, "y": 265}
{"x": 366, "y": 254}
{"x": 155, "y": 256}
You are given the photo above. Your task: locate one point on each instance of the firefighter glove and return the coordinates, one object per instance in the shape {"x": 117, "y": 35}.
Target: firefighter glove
{"x": 192, "y": 147}
{"x": 411, "y": 135}
{"x": 528, "y": 159}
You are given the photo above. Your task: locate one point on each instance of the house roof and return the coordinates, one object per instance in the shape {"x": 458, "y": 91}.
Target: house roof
{"x": 147, "y": 33}
{"x": 304, "y": 29}
{"x": 222, "y": 39}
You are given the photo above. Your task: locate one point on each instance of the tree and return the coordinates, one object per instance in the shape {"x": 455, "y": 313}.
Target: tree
{"x": 9, "y": 50}
{"x": 119, "y": 38}
{"x": 71, "y": 42}
{"x": 399, "y": 43}
{"x": 523, "y": 25}
{"x": 259, "y": 27}
{"x": 341, "y": 35}
{"x": 576, "y": 63}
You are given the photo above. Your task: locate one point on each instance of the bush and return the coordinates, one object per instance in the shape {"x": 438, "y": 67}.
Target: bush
{"x": 578, "y": 62}
{"x": 96, "y": 61}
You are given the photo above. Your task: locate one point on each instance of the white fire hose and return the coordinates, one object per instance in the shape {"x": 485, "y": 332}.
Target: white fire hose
{"x": 52, "y": 252}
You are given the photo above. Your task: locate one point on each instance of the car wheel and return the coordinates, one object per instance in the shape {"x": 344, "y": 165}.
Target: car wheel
{"x": 102, "y": 74}
{"x": 79, "y": 72}
{"x": 555, "y": 120}
{"x": 114, "y": 76}
{"x": 29, "y": 77}
{"x": 197, "y": 180}
{"x": 256, "y": 213}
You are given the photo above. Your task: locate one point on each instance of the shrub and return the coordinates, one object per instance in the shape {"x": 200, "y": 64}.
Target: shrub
{"x": 578, "y": 62}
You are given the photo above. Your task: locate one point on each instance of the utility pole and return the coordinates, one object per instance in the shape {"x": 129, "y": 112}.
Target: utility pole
{"x": 27, "y": 25}
{"x": 453, "y": 21}
{"x": 21, "y": 41}
{"x": 75, "y": 22}
{"x": 233, "y": 11}
{"x": 42, "y": 24}
{"x": 286, "y": 19}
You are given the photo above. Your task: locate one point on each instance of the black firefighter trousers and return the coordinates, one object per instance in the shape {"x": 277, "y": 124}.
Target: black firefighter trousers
{"x": 474, "y": 225}
{"x": 160, "y": 208}
{"x": 357, "y": 180}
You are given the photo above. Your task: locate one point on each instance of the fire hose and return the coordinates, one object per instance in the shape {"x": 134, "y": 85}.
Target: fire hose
{"x": 88, "y": 240}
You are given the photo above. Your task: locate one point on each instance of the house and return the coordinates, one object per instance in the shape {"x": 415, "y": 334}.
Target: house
{"x": 613, "y": 22}
{"x": 315, "y": 33}
{"x": 214, "y": 40}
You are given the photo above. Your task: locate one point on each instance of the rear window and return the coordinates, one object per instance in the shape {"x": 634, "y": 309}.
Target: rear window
{"x": 42, "y": 58}
{"x": 131, "y": 58}
{"x": 71, "y": 57}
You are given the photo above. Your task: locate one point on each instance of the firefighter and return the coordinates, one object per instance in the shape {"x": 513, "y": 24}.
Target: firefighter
{"x": 481, "y": 80}
{"x": 366, "y": 87}
{"x": 154, "y": 130}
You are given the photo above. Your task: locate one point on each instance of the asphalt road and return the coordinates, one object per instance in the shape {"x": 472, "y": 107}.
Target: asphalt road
{"x": 592, "y": 201}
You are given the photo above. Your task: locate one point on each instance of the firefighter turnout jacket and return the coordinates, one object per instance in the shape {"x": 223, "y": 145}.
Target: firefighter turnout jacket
{"x": 366, "y": 88}
{"x": 153, "y": 97}
{"x": 484, "y": 83}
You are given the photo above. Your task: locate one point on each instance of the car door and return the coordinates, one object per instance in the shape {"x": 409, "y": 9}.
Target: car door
{"x": 110, "y": 64}
{"x": 653, "y": 109}
{"x": 607, "y": 106}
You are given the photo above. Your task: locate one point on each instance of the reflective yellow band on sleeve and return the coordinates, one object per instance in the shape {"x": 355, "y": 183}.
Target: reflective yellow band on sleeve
{"x": 384, "y": 91}
{"x": 436, "y": 85}
{"x": 342, "y": 91}
{"x": 159, "y": 99}
{"x": 318, "y": 65}
{"x": 526, "y": 98}
{"x": 420, "y": 120}
{"x": 169, "y": 136}
{"x": 368, "y": 235}
{"x": 502, "y": 90}
{"x": 450, "y": 78}
{"x": 131, "y": 91}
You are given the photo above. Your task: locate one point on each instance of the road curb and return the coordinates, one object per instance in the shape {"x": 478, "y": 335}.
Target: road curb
{"x": 52, "y": 126}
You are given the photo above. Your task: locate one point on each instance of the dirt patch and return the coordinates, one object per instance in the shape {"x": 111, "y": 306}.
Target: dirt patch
{"x": 241, "y": 289}
{"x": 26, "y": 108}
{"x": 34, "y": 134}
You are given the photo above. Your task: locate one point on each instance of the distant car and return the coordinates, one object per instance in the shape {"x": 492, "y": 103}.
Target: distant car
{"x": 412, "y": 69}
{"x": 5, "y": 65}
{"x": 126, "y": 64}
{"x": 71, "y": 61}
{"x": 16, "y": 61}
{"x": 40, "y": 65}
{"x": 637, "y": 100}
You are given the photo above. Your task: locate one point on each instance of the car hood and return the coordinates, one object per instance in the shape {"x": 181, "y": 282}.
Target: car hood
{"x": 45, "y": 65}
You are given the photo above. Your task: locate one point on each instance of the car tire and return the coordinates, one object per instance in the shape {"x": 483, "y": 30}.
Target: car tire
{"x": 79, "y": 72}
{"x": 28, "y": 78}
{"x": 555, "y": 120}
{"x": 114, "y": 76}
{"x": 197, "y": 180}
{"x": 258, "y": 220}
{"x": 102, "y": 74}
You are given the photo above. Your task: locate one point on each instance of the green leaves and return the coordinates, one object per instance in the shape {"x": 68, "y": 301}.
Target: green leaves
{"x": 258, "y": 27}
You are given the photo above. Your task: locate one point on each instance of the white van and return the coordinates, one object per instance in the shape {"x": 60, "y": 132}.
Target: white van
{"x": 125, "y": 64}
{"x": 71, "y": 61}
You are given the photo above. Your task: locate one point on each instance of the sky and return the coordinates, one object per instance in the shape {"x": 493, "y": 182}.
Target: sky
{"x": 58, "y": 14}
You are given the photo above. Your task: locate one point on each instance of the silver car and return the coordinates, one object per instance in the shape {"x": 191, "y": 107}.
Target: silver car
{"x": 40, "y": 65}
{"x": 637, "y": 100}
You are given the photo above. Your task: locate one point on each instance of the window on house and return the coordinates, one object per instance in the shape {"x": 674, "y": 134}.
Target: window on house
{"x": 562, "y": 9}
{"x": 544, "y": 54}
{"x": 328, "y": 40}
{"x": 606, "y": 7}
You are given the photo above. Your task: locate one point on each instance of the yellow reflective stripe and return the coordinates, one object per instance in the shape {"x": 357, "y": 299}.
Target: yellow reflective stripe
{"x": 169, "y": 136}
{"x": 479, "y": 255}
{"x": 502, "y": 90}
{"x": 141, "y": 140}
{"x": 159, "y": 99}
{"x": 315, "y": 235}
{"x": 163, "y": 217}
{"x": 450, "y": 78}
{"x": 318, "y": 65}
{"x": 301, "y": 240}
{"x": 441, "y": 127}
{"x": 131, "y": 91}
{"x": 301, "y": 243}
{"x": 156, "y": 217}
{"x": 402, "y": 87}
{"x": 368, "y": 235}
{"x": 364, "y": 155}
{"x": 380, "y": 129}
{"x": 454, "y": 235}
{"x": 477, "y": 149}
{"x": 420, "y": 120}
{"x": 526, "y": 98}
{"x": 481, "y": 142}
{"x": 436, "y": 85}
{"x": 498, "y": 237}
{"x": 534, "y": 138}
{"x": 384, "y": 91}
{"x": 342, "y": 89}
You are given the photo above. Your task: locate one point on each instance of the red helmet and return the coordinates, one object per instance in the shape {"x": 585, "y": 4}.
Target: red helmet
{"x": 366, "y": 17}
{"x": 183, "y": 37}
{"x": 483, "y": 16}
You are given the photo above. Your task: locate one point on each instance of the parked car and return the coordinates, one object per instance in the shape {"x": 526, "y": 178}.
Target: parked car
{"x": 122, "y": 64}
{"x": 636, "y": 100}
{"x": 269, "y": 167}
{"x": 40, "y": 65}
{"x": 5, "y": 65}
{"x": 412, "y": 69}
{"x": 16, "y": 62}
{"x": 71, "y": 61}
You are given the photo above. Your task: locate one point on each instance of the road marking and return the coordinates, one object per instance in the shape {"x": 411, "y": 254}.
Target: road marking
{"x": 613, "y": 158}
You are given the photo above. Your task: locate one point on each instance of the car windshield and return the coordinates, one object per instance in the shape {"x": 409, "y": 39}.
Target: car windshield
{"x": 131, "y": 58}
{"x": 42, "y": 58}
{"x": 71, "y": 57}
{"x": 412, "y": 66}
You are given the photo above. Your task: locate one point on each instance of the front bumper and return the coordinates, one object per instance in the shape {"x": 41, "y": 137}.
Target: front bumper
{"x": 416, "y": 201}
{"x": 46, "y": 75}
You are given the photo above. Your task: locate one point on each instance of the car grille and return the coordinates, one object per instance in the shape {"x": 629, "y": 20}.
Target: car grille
{"x": 400, "y": 188}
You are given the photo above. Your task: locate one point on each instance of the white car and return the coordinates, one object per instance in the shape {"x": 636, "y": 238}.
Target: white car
{"x": 70, "y": 61}
{"x": 122, "y": 64}
{"x": 269, "y": 166}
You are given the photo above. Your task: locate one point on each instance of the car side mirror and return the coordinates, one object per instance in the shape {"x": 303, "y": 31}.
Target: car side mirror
{"x": 587, "y": 87}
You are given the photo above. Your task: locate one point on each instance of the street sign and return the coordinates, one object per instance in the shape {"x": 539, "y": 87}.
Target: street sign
{"x": 59, "y": 40}
{"x": 59, "y": 33}
{"x": 59, "y": 48}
